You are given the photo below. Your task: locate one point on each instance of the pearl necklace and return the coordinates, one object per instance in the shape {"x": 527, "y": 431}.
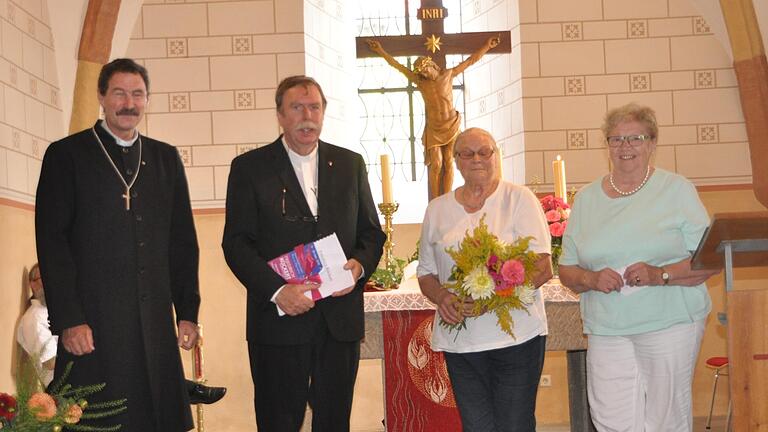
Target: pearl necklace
{"x": 621, "y": 192}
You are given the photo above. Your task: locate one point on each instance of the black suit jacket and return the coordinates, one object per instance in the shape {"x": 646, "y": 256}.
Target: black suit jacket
{"x": 265, "y": 207}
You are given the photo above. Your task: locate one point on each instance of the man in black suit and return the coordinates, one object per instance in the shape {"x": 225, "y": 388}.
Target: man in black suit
{"x": 293, "y": 191}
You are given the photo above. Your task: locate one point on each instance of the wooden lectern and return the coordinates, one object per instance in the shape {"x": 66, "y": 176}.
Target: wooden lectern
{"x": 741, "y": 240}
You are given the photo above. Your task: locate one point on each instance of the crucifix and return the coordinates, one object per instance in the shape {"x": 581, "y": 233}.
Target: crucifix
{"x": 434, "y": 81}
{"x": 127, "y": 198}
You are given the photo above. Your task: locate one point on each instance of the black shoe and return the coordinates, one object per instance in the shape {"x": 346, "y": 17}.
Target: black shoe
{"x": 201, "y": 394}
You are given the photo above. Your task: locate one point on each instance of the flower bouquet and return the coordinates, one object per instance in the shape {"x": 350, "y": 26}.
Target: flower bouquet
{"x": 556, "y": 212}
{"x": 495, "y": 274}
{"x": 62, "y": 407}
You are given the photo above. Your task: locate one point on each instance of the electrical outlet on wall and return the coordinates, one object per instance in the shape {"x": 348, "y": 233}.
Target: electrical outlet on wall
{"x": 545, "y": 381}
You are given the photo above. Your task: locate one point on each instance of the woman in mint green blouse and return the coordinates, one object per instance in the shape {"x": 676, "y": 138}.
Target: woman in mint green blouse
{"x": 627, "y": 250}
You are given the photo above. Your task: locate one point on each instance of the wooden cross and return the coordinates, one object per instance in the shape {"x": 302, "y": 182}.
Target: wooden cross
{"x": 433, "y": 41}
{"x": 440, "y": 132}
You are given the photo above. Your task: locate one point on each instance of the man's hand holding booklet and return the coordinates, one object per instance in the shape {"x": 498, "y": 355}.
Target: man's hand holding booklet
{"x": 319, "y": 262}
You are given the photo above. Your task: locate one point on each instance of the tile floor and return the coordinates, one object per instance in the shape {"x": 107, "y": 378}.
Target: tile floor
{"x": 718, "y": 425}
{"x": 699, "y": 425}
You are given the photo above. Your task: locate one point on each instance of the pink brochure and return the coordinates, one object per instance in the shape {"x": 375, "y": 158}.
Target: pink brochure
{"x": 321, "y": 262}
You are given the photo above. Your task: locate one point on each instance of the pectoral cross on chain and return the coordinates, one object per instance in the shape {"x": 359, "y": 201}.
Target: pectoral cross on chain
{"x": 127, "y": 198}
{"x": 127, "y": 195}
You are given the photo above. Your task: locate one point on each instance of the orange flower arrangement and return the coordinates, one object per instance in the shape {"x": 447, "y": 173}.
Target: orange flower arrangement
{"x": 63, "y": 407}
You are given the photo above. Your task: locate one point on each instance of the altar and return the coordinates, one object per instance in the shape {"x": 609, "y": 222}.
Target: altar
{"x": 565, "y": 334}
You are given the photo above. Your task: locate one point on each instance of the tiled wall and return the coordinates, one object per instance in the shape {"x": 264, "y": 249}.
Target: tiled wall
{"x": 215, "y": 64}
{"x": 214, "y": 67}
{"x": 494, "y": 86}
{"x": 30, "y": 114}
{"x": 329, "y": 58}
{"x": 584, "y": 57}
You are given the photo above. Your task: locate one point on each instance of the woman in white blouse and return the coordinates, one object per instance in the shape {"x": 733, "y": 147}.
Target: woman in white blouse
{"x": 494, "y": 376}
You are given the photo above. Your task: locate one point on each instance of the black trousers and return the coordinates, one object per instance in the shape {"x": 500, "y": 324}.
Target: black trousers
{"x": 286, "y": 377}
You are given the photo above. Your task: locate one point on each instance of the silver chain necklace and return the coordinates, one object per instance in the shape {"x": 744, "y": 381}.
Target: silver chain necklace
{"x": 127, "y": 195}
{"x": 640, "y": 186}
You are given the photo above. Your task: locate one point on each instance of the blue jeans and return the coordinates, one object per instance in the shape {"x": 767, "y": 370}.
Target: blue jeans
{"x": 496, "y": 390}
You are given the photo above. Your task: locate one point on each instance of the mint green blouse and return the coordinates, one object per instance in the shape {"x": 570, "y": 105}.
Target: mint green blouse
{"x": 658, "y": 225}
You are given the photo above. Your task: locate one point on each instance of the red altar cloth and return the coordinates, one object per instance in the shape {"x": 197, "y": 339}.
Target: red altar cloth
{"x": 417, "y": 388}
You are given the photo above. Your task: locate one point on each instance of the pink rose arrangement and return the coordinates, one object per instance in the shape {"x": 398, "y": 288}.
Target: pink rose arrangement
{"x": 62, "y": 407}
{"x": 494, "y": 274}
{"x": 556, "y": 211}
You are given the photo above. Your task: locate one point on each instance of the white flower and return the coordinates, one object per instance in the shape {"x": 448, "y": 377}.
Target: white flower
{"x": 479, "y": 283}
{"x": 526, "y": 294}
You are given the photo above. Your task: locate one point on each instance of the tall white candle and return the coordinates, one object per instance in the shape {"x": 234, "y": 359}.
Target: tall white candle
{"x": 558, "y": 168}
{"x": 386, "y": 182}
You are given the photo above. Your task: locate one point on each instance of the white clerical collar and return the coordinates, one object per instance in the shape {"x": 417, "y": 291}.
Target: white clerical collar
{"x": 302, "y": 158}
{"x": 119, "y": 141}
{"x": 305, "y": 167}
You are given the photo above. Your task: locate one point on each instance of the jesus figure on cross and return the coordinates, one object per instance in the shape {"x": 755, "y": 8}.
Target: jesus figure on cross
{"x": 442, "y": 125}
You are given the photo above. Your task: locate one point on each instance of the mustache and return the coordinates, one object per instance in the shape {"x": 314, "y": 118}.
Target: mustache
{"x": 128, "y": 111}
{"x": 307, "y": 124}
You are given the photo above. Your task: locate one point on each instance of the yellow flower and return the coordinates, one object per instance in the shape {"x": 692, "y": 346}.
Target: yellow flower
{"x": 479, "y": 283}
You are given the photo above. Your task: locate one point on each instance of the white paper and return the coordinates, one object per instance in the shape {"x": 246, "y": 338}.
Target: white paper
{"x": 626, "y": 289}
{"x": 410, "y": 271}
{"x": 334, "y": 276}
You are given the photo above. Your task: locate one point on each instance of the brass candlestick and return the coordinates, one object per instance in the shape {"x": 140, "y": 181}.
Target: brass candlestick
{"x": 388, "y": 209}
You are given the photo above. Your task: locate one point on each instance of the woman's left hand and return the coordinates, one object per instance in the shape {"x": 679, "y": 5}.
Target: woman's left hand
{"x": 467, "y": 308}
{"x": 640, "y": 274}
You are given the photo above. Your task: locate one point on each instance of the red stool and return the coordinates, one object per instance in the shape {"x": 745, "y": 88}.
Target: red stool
{"x": 720, "y": 365}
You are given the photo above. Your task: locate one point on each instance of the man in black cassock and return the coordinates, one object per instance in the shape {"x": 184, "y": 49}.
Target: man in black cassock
{"x": 118, "y": 251}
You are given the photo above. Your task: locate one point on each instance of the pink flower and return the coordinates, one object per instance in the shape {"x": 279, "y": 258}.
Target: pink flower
{"x": 553, "y": 216}
{"x": 547, "y": 202}
{"x": 513, "y": 272}
{"x": 557, "y": 229}
{"x": 492, "y": 260}
{"x": 43, "y": 405}
{"x": 551, "y": 202}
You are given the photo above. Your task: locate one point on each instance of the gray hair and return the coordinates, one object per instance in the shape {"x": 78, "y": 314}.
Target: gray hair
{"x": 475, "y": 130}
{"x": 631, "y": 112}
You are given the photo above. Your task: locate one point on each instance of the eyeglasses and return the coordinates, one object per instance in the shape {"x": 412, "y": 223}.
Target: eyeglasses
{"x": 633, "y": 140}
{"x": 295, "y": 218}
{"x": 484, "y": 153}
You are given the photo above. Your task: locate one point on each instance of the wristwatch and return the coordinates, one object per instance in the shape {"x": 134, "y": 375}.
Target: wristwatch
{"x": 664, "y": 276}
